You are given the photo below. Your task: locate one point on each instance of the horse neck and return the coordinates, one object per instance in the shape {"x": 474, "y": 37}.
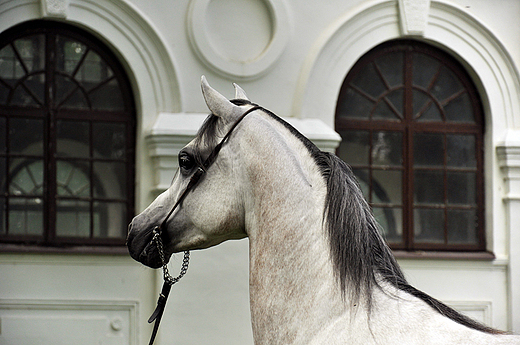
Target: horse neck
{"x": 293, "y": 290}
{"x": 294, "y": 294}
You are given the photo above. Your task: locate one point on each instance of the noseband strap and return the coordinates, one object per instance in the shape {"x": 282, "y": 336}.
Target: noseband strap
{"x": 158, "y": 230}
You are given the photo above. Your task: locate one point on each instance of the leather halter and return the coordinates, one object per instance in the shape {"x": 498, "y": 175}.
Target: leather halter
{"x": 158, "y": 230}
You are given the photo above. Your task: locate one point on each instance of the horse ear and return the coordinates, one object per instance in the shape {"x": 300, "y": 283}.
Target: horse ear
{"x": 218, "y": 104}
{"x": 240, "y": 93}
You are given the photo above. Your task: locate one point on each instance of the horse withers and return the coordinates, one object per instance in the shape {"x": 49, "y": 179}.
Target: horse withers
{"x": 320, "y": 272}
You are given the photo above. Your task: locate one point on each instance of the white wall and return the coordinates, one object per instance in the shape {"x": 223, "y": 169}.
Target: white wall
{"x": 292, "y": 61}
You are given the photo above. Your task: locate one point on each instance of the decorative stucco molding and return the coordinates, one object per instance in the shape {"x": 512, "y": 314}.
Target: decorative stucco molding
{"x": 372, "y": 23}
{"x": 508, "y": 154}
{"x": 106, "y": 320}
{"x": 171, "y": 132}
{"x": 130, "y": 33}
{"x": 413, "y": 16}
{"x": 264, "y": 32}
{"x": 55, "y": 8}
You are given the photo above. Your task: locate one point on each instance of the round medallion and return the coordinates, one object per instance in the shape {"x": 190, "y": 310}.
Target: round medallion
{"x": 239, "y": 39}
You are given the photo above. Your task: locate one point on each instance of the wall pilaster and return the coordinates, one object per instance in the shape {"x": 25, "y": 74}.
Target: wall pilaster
{"x": 508, "y": 154}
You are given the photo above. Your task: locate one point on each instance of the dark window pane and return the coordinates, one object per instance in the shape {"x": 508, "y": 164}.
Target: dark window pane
{"x": 73, "y": 218}
{"x": 3, "y": 216}
{"x": 387, "y": 186}
{"x": 429, "y": 225}
{"x": 354, "y": 105}
{"x": 10, "y": 68}
{"x": 354, "y": 147}
{"x": 26, "y": 136}
{"x": 3, "y": 177}
{"x": 69, "y": 54}
{"x": 431, "y": 113}
{"x": 4, "y": 92}
{"x": 387, "y": 149}
{"x": 31, "y": 50}
{"x": 77, "y": 99}
{"x": 424, "y": 107}
{"x": 446, "y": 85}
{"x": 391, "y": 67}
{"x": 93, "y": 70}
{"x": 69, "y": 94}
{"x": 424, "y": 70}
{"x": 25, "y": 216}
{"x": 391, "y": 221}
{"x": 396, "y": 99}
{"x": 23, "y": 97}
{"x": 384, "y": 111}
{"x": 462, "y": 188}
{"x": 109, "y": 140}
{"x": 15, "y": 70}
{"x": 461, "y": 151}
{"x": 35, "y": 87}
{"x": 111, "y": 180}
{"x": 72, "y": 179}
{"x": 26, "y": 177}
{"x": 428, "y": 187}
{"x": 109, "y": 220}
{"x": 460, "y": 109}
{"x": 369, "y": 81}
{"x": 3, "y": 134}
{"x": 421, "y": 102}
{"x": 363, "y": 179}
{"x": 107, "y": 97}
{"x": 462, "y": 226}
{"x": 428, "y": 150}
{"x": 72, "y": 139}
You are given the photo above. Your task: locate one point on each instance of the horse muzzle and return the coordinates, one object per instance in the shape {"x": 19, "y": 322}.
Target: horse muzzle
{"x": 142, "y": 248}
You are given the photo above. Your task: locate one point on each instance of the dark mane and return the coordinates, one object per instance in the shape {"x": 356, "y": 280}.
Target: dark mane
{"x": 206, "y": 138}
{"x": 361, "y": 258}
{"x": 359, "y": 252}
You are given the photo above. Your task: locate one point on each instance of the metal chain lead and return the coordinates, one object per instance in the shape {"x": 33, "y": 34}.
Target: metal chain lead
{"x": 166, "y": 273}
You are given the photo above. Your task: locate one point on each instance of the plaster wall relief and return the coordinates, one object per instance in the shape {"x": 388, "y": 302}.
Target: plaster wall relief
{"x": 413, "y": 16}
{"x": 54, "y": 8}
{"x": 243, "y": 54}
{"x": 65, "y": 321}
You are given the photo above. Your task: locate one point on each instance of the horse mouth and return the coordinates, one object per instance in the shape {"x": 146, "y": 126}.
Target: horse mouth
{"x": 149, "y": 256}
{"x": 143, "y": 249}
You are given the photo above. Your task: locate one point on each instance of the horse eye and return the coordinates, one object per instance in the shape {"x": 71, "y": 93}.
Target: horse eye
{"x": 186, "y": 161}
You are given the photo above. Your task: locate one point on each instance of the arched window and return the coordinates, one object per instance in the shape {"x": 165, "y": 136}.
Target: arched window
{"x": 411, "y": 126}
{"x": 67, "y": 127}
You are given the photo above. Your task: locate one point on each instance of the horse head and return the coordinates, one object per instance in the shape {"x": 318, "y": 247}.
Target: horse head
{"x": 209, "y": 211}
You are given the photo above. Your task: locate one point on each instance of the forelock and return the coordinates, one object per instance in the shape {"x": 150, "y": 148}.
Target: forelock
{"x": 208, "y": 134}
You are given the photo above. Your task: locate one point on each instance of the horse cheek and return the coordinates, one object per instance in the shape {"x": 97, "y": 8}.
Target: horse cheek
{"x": 218, "y": 214}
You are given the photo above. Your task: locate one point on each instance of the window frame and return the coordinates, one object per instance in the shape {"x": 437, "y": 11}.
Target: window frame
{"x": 50, "y": 114}
{"x": 408, "y": 127}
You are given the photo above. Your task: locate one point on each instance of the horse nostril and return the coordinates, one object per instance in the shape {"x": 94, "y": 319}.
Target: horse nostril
{"x": 130, "y": 235}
